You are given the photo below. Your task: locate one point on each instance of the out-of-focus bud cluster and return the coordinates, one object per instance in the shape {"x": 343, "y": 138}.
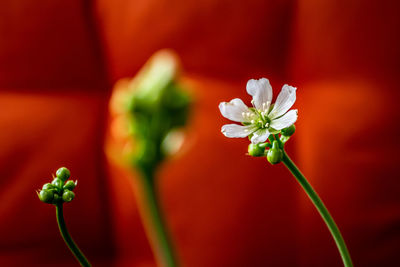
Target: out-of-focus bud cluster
{"x": 59, "y": 190}
{"x": 155, "y": 106}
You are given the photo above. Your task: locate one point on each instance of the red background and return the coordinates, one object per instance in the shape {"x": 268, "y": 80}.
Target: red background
{"x": 59, "y": 60}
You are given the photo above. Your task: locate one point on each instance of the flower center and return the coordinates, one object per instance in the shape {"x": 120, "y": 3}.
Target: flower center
{"x": 262, "y": 121}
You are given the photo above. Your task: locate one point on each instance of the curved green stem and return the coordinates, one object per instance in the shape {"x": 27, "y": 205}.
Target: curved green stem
{"x": 163, "y": 249}
{"x": 323, "y": 211}
{"x": 68, "y": 239}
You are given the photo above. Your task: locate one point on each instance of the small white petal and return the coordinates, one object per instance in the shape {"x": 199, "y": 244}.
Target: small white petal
{"x": 235, "y": 130}
{"x": 284, "y": 102}
{"x": 260, "y": 136}
{"x": 261, "y": 91}
{"x": 284, "y": 121}
{"x": 236, "y": 110}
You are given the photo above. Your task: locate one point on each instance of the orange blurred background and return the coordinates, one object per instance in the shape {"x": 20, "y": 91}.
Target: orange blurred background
{"x": 60, "y": 59}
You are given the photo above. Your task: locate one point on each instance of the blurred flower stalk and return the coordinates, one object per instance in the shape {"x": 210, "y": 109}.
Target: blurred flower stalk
{"x": 149, "y": 113}
{"x": 269, "y": 126}
{"x": 58, "y": 192}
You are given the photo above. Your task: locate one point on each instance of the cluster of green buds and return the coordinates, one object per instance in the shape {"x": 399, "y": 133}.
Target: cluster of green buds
{"x": 273, "y": 148}
{"x": 59, "y": 190}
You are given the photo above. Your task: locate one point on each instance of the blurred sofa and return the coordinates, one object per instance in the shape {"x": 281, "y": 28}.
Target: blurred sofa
{"x": 60, "y": 59}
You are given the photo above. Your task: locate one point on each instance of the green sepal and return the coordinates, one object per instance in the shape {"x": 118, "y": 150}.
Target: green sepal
{"x": 273, "y": 131}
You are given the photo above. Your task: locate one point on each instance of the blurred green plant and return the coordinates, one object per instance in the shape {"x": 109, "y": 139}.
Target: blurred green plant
{"x": 158, "y": 107}
{"x": 155, "y": 107}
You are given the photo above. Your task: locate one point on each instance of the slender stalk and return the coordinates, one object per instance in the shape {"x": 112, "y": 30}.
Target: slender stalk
{"x": 323, "y": 211}
{"x": 68, "y": 239}
{"x": 164, "y": 249}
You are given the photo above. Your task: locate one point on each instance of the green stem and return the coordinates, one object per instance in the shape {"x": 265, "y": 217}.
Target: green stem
{"x": 163, "y": 249}
{"x": 323, "y": 211}
{"x": 68, "y": 239}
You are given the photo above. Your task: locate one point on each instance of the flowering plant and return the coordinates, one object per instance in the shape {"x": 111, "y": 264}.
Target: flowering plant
{"x": 269, "y": 126}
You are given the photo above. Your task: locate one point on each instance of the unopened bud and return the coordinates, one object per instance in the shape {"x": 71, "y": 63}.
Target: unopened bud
{"x": 63, "y": 173}
{"x": 69, "y": 185}
{"x": 58, "y": 183}
{"x": 46, "y": 196}
{"x": 48, "y": 186}
{"x": 289, "y": 131}
{"x": 256, "y": 150}
{"x": 275, "y": 154}
{"x": 68, "y": 195}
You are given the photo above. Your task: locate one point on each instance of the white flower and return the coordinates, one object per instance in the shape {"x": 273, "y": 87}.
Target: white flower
{"x": 263, "y": 118}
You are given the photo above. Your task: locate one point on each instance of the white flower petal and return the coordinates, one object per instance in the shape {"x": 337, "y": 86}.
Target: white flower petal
{"x": 284, "y": 102}
{"x": 284, "y": 121}
{"x": 235, "y": 130}
{"x": 261, "y": 91}
{"x": 236, "y": 110}
{"x": 260, "y": 136}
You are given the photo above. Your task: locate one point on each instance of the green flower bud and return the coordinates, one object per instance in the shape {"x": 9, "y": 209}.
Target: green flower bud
{"x": 48, "y": 186}
{"x": 69, "y": 185}
{"x": 256, "y": 150}
{"x": 46, "y": 196}
{"x": 68, "y": 195}
{"x": 63, "y": 173}
{"x": 275, "y": 154}
{"x": 56, "y": 198}
{"x": 58, "y": 183}
{"x": 289, "y": 131}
